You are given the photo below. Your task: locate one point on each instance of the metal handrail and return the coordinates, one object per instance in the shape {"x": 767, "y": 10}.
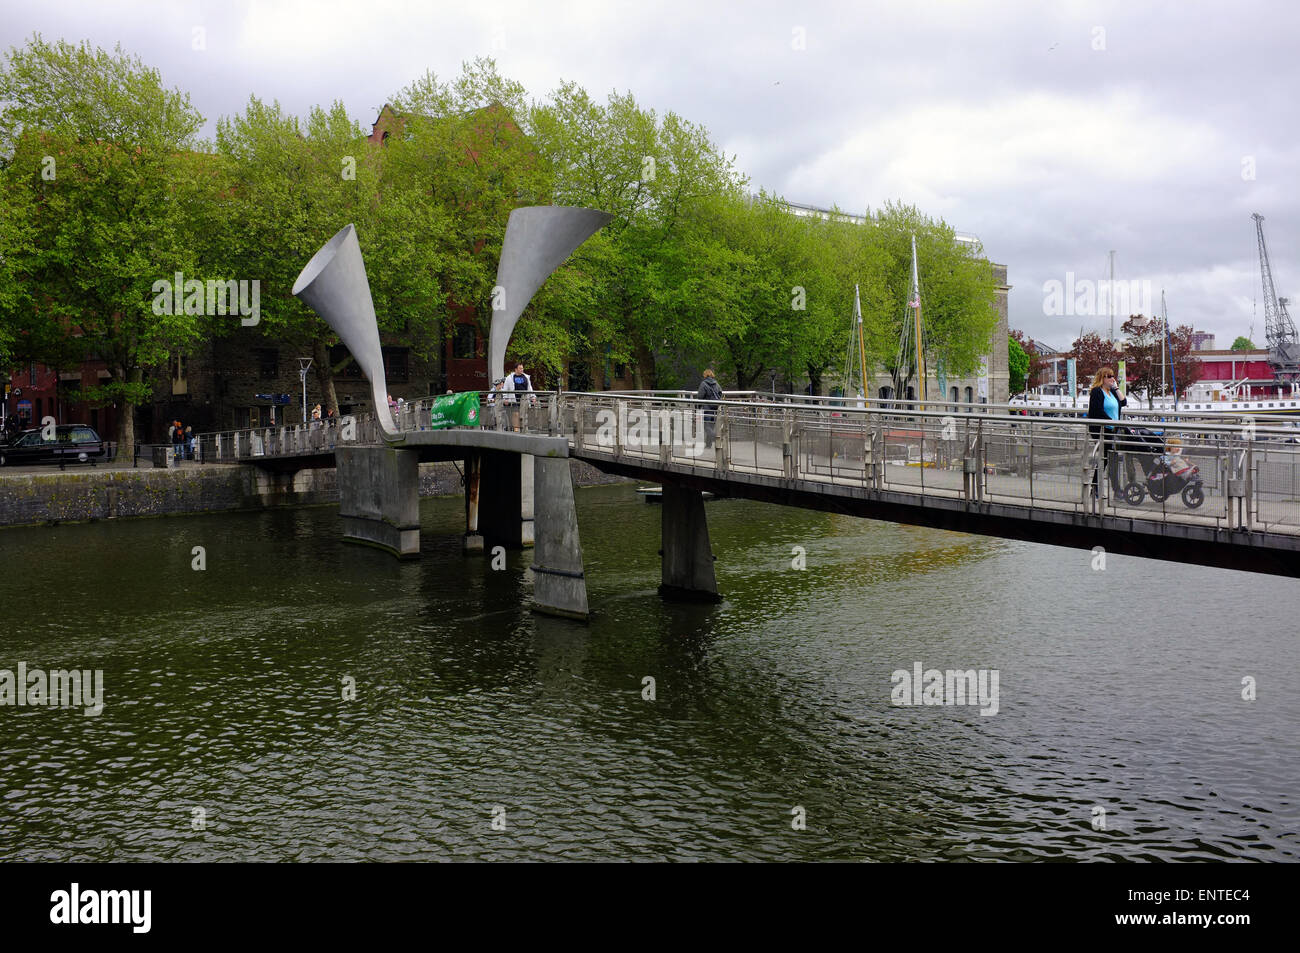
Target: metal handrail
{"x": 1034, "y": 460}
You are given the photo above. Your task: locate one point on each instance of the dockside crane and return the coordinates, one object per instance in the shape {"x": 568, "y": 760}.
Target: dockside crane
{"x": 1283, "y": 348}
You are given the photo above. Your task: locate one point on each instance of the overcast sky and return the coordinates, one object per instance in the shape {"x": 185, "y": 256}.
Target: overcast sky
{"x": 1055, "y": 131}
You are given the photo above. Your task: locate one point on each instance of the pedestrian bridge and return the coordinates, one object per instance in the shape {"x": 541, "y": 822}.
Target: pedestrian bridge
{"x": 992, "y": 473}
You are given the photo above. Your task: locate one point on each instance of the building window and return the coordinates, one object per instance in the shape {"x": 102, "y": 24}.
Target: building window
{"x": 970, "y": 396}
{"x": 339, "y": 355}
{"x": 396, "y": 364}
{"x": 620, "y": 372}
{"x": 464, "y": 344}
{"x": 886, "y": 393}
{"x": 31, "y": 375}
{"x": 268, "y": 363}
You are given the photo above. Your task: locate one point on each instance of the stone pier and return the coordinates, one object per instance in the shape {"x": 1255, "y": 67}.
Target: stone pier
{"x": 379, "y": 497}
{"x": 687, "y": 555}
{"x": 559, "y": 582}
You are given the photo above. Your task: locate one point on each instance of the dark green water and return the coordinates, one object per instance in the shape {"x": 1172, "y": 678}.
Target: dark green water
{"x": 224, "y": 691}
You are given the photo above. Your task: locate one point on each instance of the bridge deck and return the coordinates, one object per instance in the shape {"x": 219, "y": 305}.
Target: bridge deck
{"x": 996, "y": 474}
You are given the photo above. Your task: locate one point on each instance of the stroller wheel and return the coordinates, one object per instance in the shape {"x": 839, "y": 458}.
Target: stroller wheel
{"x": 1193, "y": 495}
{"x": 1157, "y": 492}
{"x": 1134, "y": 494}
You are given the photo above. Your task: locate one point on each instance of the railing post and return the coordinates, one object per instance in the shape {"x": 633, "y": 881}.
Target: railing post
{"x": 1031, "y": 463}
{"x": 722, "y": 440}
{"x": 1235, "y": 488}
{"x": 1252, "y": 510}
{"x": 878, "y": 452}
{"x": 1091, "y": 474}
{"x": 972, "y": 464}
{"x": 664, "y": 428}
{"x": 788, "y": 450}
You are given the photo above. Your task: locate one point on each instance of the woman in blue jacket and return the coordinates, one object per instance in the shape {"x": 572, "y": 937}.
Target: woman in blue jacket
{"x": 1105, "y": 402}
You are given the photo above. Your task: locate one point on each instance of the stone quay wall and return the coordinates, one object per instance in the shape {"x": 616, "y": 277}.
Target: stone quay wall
{"x": 75, "y": 496}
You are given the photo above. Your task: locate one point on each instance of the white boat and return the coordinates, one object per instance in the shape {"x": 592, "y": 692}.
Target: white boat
{"x": 1225, "y": 401}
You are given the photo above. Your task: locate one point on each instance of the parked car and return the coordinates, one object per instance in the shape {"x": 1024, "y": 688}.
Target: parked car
{"x": 72, "y": 443}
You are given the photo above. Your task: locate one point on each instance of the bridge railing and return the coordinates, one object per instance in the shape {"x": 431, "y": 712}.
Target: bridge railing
{"x": 1249, "y": 476}
{"x": 1060, "y": 408}
{"x": 531, "y": 412}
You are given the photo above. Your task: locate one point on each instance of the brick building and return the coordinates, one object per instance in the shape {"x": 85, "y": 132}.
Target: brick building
{"x": 35, "y": 391}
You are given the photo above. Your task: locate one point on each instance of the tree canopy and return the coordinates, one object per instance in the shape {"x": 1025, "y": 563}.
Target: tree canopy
{"x": 106, "y": 191}
{"x": 102, "y": 197}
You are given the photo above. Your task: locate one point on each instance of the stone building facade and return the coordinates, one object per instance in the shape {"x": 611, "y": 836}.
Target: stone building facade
{"x": 240, "y": 380}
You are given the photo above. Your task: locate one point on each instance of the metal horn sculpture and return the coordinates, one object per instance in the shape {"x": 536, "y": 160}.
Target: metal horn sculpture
{"x": 334, "y": 285}
{"x": 538, "y": 240}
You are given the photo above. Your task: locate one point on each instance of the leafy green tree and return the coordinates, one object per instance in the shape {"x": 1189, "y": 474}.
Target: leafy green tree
{"x": 293, "y": 185}
{"x": 852, "y": 254}
{"x": 99, "y": 190}
{"x": 1243, "y": 344}
{"x": 775, "y": 305}
{"x": 958, "y": 295}
{"x": 463, "y": 153}
{"x": 1017, "y": 366}
{"x": 1034, "y": 373}
{"x": 649, "y": 267}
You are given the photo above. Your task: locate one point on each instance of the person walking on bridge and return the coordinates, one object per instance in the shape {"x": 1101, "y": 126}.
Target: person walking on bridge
{"x": 710, "y": 389}
{"x": 1106, "y": 402}
{"x": 518, "y": 381}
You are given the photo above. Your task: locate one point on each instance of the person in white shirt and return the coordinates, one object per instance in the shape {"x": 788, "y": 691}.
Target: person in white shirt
{"x": 517, "y": 381}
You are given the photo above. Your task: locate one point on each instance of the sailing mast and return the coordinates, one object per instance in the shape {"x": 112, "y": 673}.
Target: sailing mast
{"x": 1167, "y": 352}
{"x": 914, "y": 301}
{"x": 862, "y": 347}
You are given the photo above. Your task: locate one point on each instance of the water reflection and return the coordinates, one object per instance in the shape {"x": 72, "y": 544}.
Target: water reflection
{"x": 226, "y": 690}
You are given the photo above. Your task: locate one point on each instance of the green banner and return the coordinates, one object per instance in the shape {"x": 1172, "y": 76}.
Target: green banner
{"x": 455, "y": 410}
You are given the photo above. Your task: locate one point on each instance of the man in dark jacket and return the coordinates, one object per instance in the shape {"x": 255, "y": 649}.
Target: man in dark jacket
{"x": 709, "y": 390}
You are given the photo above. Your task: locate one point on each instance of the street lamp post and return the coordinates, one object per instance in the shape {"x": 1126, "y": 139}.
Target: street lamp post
{"x": 304, "y": 365}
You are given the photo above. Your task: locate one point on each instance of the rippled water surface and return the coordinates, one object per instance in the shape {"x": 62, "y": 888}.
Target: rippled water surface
{"x": 1118, "y": 689}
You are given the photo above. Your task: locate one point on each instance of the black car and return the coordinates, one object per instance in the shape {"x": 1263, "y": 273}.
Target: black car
{"x": 72, "y": 443}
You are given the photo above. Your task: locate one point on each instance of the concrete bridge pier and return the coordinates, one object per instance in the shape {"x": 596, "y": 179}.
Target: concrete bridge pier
{"x": 687, "y": 555}
{"x": 559, "y": 583}
{"x": 379, "y": 497}
{"x": 473, "y": 539}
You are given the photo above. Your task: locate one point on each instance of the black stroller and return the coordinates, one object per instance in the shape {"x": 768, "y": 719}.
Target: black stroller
{"x": 1160, "y": 481}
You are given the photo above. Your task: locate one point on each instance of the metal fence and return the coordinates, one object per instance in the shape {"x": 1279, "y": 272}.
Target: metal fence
{"x": 1246, "y": 476}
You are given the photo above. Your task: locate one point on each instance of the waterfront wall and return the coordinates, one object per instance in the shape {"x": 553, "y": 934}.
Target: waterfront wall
{"x": 35, "y": 498}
